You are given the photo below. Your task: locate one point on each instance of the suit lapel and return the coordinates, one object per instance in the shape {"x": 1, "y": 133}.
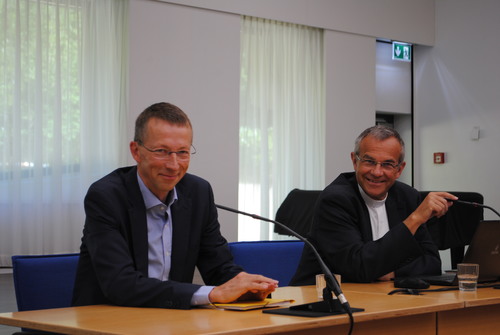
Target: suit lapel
{"x": 181, "y": 212}
{"x": 366, "y": 230}
{"x": 392, "y": 208}
{"x": 138, "y": 223}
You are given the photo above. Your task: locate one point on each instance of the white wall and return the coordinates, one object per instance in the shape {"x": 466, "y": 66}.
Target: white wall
{"x": 402, "y": 20}
{"x": 457, "y": 86}
{"x": 350, "y": 97}
{"x": 190, "y": 57}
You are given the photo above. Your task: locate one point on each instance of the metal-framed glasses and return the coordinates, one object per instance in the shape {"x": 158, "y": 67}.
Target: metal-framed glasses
{"x": 370, "y": 163}
{"x": 164, "y": 154}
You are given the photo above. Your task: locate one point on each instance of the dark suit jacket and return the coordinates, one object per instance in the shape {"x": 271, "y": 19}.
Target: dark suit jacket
{"x": 341, "y": 231}
{"x": 113, "y": 266}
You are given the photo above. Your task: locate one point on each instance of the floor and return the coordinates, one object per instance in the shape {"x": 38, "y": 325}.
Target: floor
{"x": 7, "y": 299}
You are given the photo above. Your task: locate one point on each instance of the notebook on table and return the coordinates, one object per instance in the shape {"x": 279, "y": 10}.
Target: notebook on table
{"x": 484, "y": 249}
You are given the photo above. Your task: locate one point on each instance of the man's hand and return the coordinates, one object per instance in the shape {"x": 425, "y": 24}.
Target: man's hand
{"x": 387, "y": 277}
{"x": 243, "y": 287}
{"x": 434, "y": 204}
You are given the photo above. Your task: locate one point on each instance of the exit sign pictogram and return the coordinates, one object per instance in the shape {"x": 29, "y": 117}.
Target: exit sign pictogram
{"x": 401, "y": 51}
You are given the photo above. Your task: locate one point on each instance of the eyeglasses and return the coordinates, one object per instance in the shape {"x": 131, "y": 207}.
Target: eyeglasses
{"x": 163, "y": 154}
{"x": 370, "y": 163}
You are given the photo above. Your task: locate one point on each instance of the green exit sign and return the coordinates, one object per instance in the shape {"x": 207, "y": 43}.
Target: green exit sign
{"x": 401, "y": 51}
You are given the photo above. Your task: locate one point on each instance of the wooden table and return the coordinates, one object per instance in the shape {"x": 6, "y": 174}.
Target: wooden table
{"x": 388, "y": 314}
{"x": 480, "y": 313}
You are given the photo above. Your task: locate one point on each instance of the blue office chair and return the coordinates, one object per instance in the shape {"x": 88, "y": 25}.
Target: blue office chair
{"x": 274, "y": 259}
{"x": 44, "y": 281}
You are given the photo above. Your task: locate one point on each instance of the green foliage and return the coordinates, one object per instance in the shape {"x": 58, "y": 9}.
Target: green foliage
{"x": 40, "y": 56}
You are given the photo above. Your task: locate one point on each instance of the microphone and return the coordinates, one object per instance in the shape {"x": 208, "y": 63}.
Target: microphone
{"x": 331, "y": 282}
{"x": 475, "y": 204}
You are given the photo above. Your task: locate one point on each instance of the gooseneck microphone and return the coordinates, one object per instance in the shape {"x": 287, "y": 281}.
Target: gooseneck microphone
{"x": 331, "y": 281}
{"x": 475, "y": 204}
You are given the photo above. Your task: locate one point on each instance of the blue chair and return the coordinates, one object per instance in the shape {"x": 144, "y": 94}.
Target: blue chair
{"x": 274, "y": 259}
{"x": 44, "y": 281}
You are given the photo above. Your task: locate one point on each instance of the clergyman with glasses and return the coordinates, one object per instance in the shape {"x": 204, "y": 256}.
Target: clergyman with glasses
{"x": 367, "y": 225}
{"x": 148, "y": 226}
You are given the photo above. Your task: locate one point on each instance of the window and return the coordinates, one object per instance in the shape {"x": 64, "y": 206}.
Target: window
{"x": 40, "y": 93}
{"x": 282, "y": 117}
{"x": 61, "y": 116}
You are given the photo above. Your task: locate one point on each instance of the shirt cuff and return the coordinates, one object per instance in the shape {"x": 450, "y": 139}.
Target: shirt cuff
{"x": 200, "y": 297}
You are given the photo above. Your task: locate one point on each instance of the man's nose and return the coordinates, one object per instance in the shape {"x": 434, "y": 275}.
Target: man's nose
{"x": 377, "y": 169}
{"x": 172, "y": 160}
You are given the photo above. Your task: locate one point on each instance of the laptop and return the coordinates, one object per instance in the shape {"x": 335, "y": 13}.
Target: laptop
{"x": 484, "y": 249}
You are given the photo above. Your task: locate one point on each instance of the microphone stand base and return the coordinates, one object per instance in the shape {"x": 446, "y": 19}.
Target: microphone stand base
{"x": 314, "y": 309}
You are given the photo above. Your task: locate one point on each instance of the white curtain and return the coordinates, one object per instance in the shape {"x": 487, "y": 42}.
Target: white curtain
{"x": 63, "y": 84}
{"x": 282, "y": 113}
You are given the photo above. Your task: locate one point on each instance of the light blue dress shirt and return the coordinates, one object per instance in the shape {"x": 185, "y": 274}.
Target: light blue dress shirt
{"x": 159, "y": 220}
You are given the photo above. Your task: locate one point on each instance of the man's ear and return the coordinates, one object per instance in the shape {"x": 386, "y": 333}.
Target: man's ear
{"x": 401, "y": 168}
{"x": 134, "y": 150}
{"x": 354, "y": 160}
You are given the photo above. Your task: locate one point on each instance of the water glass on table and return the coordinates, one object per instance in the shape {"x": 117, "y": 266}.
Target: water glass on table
{"x": 467, "y": 276}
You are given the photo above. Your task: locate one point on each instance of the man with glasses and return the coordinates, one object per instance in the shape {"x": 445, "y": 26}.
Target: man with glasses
{"x": 148, "y": 226}
{"x": 367, "y": 225}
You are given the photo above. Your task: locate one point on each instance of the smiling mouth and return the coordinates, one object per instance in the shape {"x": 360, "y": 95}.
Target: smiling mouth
{"x": 168, "y": 176}
{"x": 373, "y": 181}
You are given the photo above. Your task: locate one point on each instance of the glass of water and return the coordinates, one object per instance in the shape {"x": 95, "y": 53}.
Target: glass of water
{"x": 467, "y": 276}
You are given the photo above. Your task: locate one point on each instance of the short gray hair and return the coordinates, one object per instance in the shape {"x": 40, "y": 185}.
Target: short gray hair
{"x": 381, "y": 133}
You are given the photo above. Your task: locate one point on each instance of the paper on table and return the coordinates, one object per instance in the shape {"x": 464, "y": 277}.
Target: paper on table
{"x": 247, "y": 305}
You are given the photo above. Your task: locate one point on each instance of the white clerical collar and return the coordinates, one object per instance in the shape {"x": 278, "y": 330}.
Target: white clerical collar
{"x": 370, "y": 201}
